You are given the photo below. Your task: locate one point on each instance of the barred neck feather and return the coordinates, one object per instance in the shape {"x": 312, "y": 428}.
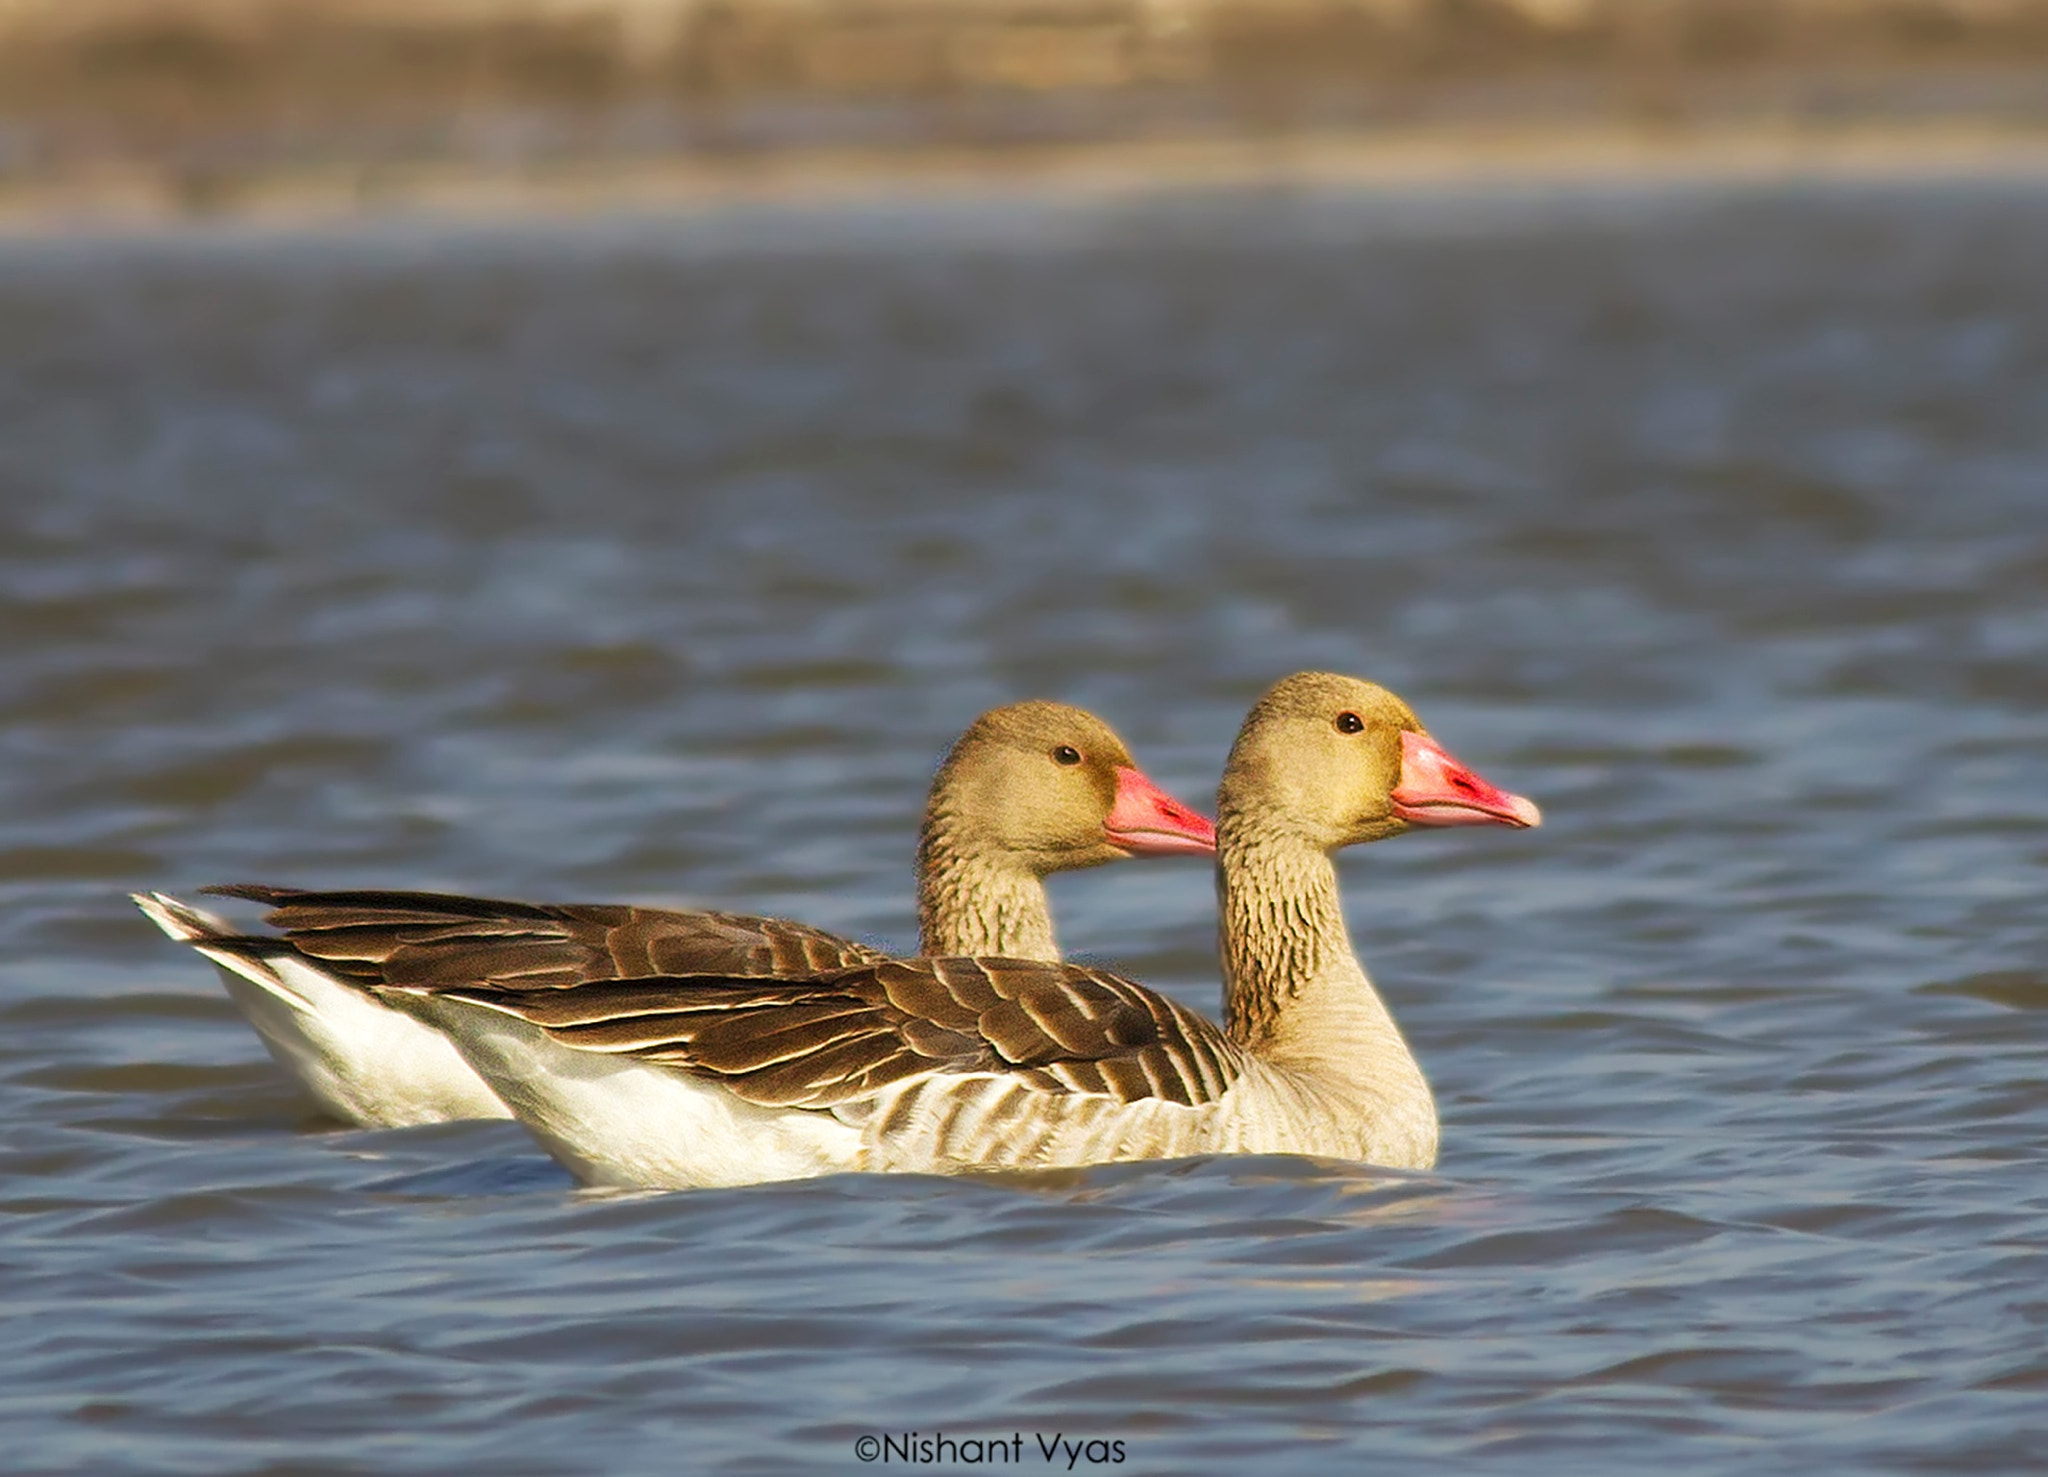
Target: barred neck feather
{"x": 1294, "y": 991}
{"x": 970, "y": 904}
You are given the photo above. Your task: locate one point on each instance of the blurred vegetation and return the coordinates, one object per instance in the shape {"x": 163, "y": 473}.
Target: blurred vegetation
{"x": 209, "y": 89}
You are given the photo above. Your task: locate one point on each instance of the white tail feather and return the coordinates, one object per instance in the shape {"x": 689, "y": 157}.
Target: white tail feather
{"x": 190, "y": 925}
{"x": 363, "y": 1061}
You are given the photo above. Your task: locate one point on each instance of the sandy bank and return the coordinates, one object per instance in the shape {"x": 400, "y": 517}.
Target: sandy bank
{"x": 1462, "y": 158}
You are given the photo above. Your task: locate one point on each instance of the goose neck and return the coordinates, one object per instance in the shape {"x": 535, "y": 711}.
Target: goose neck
{"x": 969, "y": 903}
{"x": 1294, "y": 991}
{"x": 1282, "y": 930}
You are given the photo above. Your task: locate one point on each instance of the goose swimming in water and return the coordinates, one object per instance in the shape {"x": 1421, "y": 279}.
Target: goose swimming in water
{"x": 962, "y": 1063}
{"x": 1028, "y": 790}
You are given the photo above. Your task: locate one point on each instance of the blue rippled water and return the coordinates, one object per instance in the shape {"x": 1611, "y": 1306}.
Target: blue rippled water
{"x": 659, "y": 560}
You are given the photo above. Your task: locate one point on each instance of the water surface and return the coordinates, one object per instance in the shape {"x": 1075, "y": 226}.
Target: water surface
{"x": 660, "y": 559}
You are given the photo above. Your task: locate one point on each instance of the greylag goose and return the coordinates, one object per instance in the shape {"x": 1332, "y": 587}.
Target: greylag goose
{"x": 1028, "y": 790}
{"x": 948, "y": 1064}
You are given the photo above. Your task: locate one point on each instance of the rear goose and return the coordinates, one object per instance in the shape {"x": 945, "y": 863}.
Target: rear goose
{"x": 1029, "y": 789}
{"x": 949, "y": 1064}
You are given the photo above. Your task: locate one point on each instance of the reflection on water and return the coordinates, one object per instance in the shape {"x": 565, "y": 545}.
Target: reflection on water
{"x": 660, "y": 560}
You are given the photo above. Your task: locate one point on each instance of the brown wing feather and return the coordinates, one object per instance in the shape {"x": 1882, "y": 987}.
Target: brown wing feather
{"x": 435, "y": 941}
{"x": 842, "y": 1035}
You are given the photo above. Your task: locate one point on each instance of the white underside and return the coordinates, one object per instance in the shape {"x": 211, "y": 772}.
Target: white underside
{"x": 361, "y": 1060}
{"x": 615, "y": 1121}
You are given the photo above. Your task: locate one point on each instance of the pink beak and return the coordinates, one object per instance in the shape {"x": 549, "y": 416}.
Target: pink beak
{"x": 1146, "y": 821}
{"x": 1436, "y": 790}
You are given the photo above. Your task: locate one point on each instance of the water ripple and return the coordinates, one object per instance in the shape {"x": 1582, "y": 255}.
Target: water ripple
{"x": 634, "y": 561}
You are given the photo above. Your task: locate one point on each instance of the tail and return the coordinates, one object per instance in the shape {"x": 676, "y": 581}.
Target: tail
{"x": 247, "y": 955}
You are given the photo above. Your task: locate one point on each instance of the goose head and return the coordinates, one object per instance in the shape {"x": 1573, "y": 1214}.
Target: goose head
{"x": 1051, "y": 788}
{"x": 1335, "y": 761}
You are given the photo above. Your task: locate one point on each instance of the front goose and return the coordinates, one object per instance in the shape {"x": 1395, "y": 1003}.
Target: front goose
{"x": 1028, "y": 790}
{"x": 961, "y": 1063}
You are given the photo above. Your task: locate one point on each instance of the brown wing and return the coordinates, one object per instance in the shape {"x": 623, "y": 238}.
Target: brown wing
{"x": 834, "y": 1037}
{"x": 434, "y": 941}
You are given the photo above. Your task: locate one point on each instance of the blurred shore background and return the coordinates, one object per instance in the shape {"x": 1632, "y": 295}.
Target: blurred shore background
{"x": 172, "y": 108}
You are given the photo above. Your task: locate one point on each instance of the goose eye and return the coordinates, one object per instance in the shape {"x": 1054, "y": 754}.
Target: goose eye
{"x": 1350, "y": 723}
{"x": 1066, "y": 754}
